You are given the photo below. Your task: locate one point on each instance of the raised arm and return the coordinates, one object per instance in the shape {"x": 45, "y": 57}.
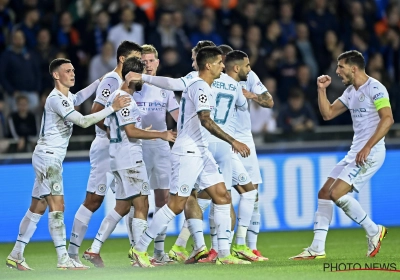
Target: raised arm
{"x": 85, "y": 93}
{"x": 215, "y": 130}
{"x": 161, "y": 82}
{"x": 328, "y": 111}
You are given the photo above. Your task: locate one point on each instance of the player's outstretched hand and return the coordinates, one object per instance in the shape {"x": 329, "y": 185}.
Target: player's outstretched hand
{"x": 169, "y": 135}
{"x": 242, "y": 149}
{"x": 324, "y": 81}
{"x": 121, "y": 102}
{"x": 133, "y": 77}
{"x": 248, "y": 94}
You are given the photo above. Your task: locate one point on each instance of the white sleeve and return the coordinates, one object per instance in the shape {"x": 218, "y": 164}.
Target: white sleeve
{"x": 85, "y": 93}
{"x": 128, "y": 115}
{"x": 255, "y": 85}
{"x": 107, "y": 86}
{"x": 62, "y": 107}
{"x": 172, "y": 104}
{"x": 165, "y": 82}
{"x": 201, "y": 97}
{"x": 241, "y": 101}
{"x": 344, "y": 99}
{"x": 86, "y": 121}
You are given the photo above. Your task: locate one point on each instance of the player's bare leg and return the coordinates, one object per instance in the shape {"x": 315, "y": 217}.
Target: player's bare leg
{"x": 81, "y": 221}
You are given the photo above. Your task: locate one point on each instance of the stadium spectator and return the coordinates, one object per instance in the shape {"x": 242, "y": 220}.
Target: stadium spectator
{"x": 67, "y": 36}
{"x": 20, "y": 71}
{"x": 97, "y": 36}
{"x": 297, "y": 115}
{"x": 307, "y": 85}
{"x": 193, "y": 14}
{"x": 45, "y": 52}
{"x": 6, "y": 23}
{"x": 253, "y": 45}
{"x": 272, "y": 37}
{"x": 30, "y": 27}
{"x": 126, "y": 30}
{"x": 22, "y": 124}
{"x": 205, "y": 32}
{"x": 172, "y": 66}
{"x": 226, "y": 14}
{"x": 288, "y": 25}
{"x": 235, "y": 37}
{"x": 102, "y": 63}
{"x": 305, "y": 49}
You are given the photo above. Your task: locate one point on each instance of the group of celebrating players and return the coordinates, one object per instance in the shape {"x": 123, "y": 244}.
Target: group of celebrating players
{"x": 213, "y": 152}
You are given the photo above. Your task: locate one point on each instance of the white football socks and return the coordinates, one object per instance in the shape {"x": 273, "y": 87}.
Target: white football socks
{"x": 159, "y": 240}
{"x": 58, "y": 234}
{"x": 160, "y": 220}
{"x": 246, "y": 208}
{"x": 128, "y": 224}
{"x": 354, "y": 211}
{"x": 254, "y": 228}
{"x": 322, "y": 220}
{"x": 222, "y": 221}
{"x": 196, "y": 230}
{"x": 106, "y": 228}
{"x": 138, "y": 227}
{"x": 213, "y": 229}
{"x": 183, "y": 235}
{"x": 79, "y": 228}
{"x": 27, "y": 228}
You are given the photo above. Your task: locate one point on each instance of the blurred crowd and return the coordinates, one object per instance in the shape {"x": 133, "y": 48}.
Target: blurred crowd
{"x": 289, "y": 44}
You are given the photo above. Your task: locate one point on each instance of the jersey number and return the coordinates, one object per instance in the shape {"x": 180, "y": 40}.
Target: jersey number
{"x": 223, "y": 105}
{"x": 115, "y": 138}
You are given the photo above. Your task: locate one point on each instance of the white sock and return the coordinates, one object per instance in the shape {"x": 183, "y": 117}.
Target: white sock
{"x": 246, "y": 208}
{"x": 138, "y": 227}
{"x": 254, "y": 228}
{"x": 106, "y": 228}
{"x": 159, "y": 240}
{"x": 203, "y": 203}
{"x": 27, "y": 228}
{"x": 128, "y": 224}
{"x": 322, "y": 220}
{"x": 231, "y": 237}
{"x": 160, "y": 220}
{"x": 79, "y": 228}
{"x": 354, "y": 211}
{"x": 222, "y": 219}
{"x": 213, "y": 229}
{"x": 183, "y": 235}
{"x": 196, "y": 230}
{"x": 58, "y": 234}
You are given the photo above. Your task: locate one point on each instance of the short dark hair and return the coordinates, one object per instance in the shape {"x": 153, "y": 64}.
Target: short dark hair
{"x": 225, "y": 49}
{"x": 133, "y": 64}
{"x": 202, "y": 44}
{"x": 20, "y": 98}
{"x": 233, "y": 56}
{"x": 353, "y": 57}
{"x": 126, "y": 47}
{"x": 295, "y": 93}
{"x": 206, "y": 54}
{"x": 57, "y": 63}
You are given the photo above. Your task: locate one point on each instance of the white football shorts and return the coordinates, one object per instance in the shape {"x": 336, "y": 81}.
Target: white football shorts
{"x": 48, "y": 180}
{"x": 239, "y": 172}
{"x": 187, "y": 170}
{"x": 131, "y": 182}
{"x": 348, "y": 171}
{"x": 252, "y": 166}
{"x": 158, "y": 165}
{"x": 99, "y": 167}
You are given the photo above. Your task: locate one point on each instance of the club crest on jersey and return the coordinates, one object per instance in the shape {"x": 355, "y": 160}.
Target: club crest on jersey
{"x": 145, "y": 187}
{"x": 163, "y": 94}
{"x": 184, "y": 188}
{"x": 203, "y": 98}
{"x": 102, "y": 188}
{"x": 361, "y": 98}
{"x": 125, "y": 112}
{"x": 242, "y": 177}
{"x": 106, "y": 92}
{"x": 65, "y": 103}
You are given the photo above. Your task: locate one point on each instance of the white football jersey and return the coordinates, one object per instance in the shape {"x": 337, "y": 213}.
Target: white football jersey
{"x": 242, "y": 121}
{"x": 55, "y": 131}
{"x": 154, "y": 102}
{"x": 125, "y": 152}
{"x": 192, "y": 136}
{"x": 228, "y": 98}
{"x": 110, "y": 83}
{"x": 363, "y": 105}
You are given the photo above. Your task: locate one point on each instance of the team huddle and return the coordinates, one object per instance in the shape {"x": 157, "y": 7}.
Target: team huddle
{"x": 213, "y": 152}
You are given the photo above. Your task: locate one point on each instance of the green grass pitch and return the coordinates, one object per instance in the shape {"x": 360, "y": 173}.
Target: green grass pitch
{"x": 343, "y": 246}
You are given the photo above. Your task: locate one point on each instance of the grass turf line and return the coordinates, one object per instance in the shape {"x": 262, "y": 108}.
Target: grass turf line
{"x": 343, "y": 246}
